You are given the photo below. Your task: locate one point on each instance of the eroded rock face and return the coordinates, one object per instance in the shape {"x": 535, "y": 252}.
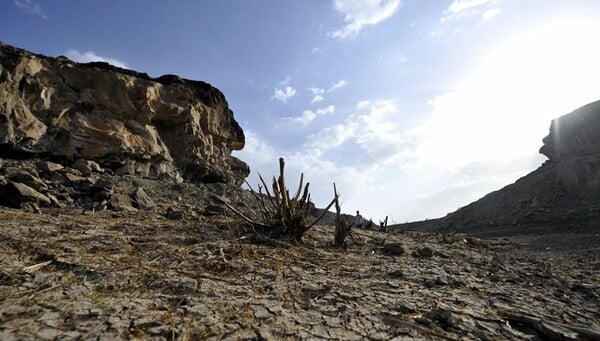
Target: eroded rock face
{"x": 124, "y": 120}
{"x": 573, "y": 145}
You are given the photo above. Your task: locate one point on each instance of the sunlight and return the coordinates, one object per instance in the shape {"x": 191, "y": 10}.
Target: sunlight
{"x": 504, "y": 110}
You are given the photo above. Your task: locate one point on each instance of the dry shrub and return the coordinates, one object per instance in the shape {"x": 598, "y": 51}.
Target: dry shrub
{"x": 342, "y": 227}
{"x": 282, "y": 216}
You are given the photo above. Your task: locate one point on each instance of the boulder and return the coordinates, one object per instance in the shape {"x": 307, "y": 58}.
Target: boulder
{"x": 174, "y": 214}
{"x": 423, "y": 252}
{"x": 49, "y": 167}
{"x": 13, "y": 194}
{"x": 394, "y": 249}
{"x": 22, "y": 176}
{"x": 142, "y": 200}
{"x": 121, "y": 202}
{"x": 86, "y": 167}
{"x": 104, "y": 184}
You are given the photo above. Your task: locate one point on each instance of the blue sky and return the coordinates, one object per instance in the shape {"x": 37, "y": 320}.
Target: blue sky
{"x": 413, "y": 107}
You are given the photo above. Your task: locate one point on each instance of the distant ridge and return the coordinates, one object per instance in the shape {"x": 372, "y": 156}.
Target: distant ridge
{"x": 563, "y": 193}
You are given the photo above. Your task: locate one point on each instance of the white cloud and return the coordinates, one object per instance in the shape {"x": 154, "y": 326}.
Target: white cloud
{"x": 31, "y": 7}
{"x": 284, "y": 94}
{"x": 317, "y": 94}
{"x": 309, "y": 115}
{"x": 360, "y": 13}
{"x": 460, "y": 6}
{"x": 489, "y": 14}
{"x": 326, "y": 110}
{"x": 316, "y": 91}
{"x": 90, "y": 56}
{"x": 306, "y": 117}
{"x": 317, "y": 98}
{"x": 338, "y": 85}
{"x": 460, "y": 9}
{"x": 256, "y": 150}
{"x": 317, "y": 50}
{"x": 362, "y": 104}
{"x": 374, "y": 132}
{"x": 285, "y": 81}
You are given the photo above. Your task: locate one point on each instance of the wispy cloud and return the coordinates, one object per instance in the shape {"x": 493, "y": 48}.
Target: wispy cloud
{"x": 309, "y": 115}
{"x": 316, "y": 99}
{"x": 317, "y": 50}
{"x": 360, "y": 13}
{"x": 338, "y": 85}
{"x": 489, "y": 14}
{"x": 90, "y": 56}
{"x": 31, "y": 7}
{"x": 371, "y": 128}
{"x": 362, "y": 104}
{"x": 317, "y": 94}
{"x": 284, "y": 94}
{"x": 316, "y": 91}
{"x": 285, "y": 81}
{"x": 459, "y": 9}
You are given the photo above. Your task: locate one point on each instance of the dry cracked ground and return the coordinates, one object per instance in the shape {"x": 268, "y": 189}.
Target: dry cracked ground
{"x": 68, "y": 275}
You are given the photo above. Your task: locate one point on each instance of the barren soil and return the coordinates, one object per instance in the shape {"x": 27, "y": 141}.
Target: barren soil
{"x": 69, "y": 275}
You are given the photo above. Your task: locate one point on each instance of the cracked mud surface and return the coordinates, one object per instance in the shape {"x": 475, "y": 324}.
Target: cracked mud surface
{"x": 69, "y": 276}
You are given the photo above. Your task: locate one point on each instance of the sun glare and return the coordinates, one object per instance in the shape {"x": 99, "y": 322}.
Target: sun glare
{"x": 504, "y": 110}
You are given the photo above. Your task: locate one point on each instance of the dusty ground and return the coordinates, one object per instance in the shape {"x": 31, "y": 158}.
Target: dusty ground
{"x": 66, "y": 275}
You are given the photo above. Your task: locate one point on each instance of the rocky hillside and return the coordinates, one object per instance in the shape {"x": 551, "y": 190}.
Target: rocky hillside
{"x": 563, "y": 193}
{"x": 125, "y": 121}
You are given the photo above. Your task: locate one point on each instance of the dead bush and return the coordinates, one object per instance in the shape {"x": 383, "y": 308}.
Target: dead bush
{"x": 282, "y": 216}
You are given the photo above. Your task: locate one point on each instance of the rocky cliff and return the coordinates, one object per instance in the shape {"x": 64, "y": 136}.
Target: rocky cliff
{"x": 126, "y": 121}
{"x": 562, "y": 193}
{"x": 573, "y": 146}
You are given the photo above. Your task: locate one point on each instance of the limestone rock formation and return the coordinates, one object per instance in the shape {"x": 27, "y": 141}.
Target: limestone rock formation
{"x": 125, "y": 121}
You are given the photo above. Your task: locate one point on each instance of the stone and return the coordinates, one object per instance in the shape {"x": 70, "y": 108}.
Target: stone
{"x": 120, "y": 202}
{"x": 120, "y": 118}
{"x": 104, "y": 184}
{"x": 30, "y": 207}
{"x": 86, "y": 167}
{"x": 423, "y": 252}
{"x": 24, "y": 177}
{"x": 174, "y": 214}
{"x": 142, "y": 200}
{"x": 47, "y": 166}
{"x": 394, "y": 249}
{"x": 212, "y": 210}
{"x": 73, "y": 178}
{"x": 13, "y": 194}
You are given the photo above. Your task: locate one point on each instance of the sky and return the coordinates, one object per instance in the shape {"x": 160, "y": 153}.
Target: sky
{"x": 414, "y": 108}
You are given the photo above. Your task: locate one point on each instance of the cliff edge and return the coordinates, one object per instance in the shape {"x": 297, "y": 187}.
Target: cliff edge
{"x": 126, "y": 121}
